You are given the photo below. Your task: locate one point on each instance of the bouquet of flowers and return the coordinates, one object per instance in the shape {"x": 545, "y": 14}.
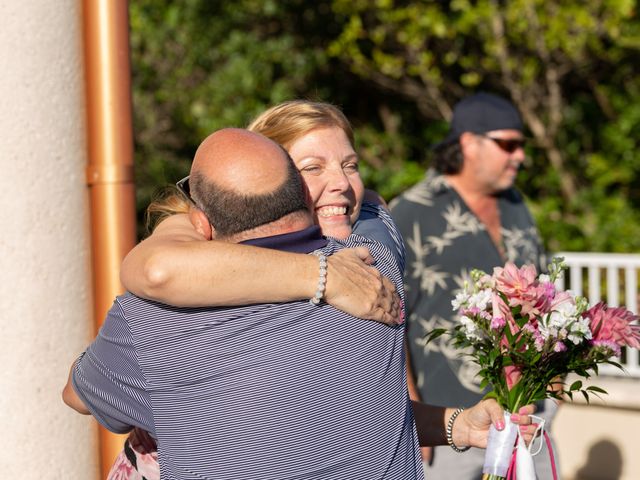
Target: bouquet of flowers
{"x": 526, "y": 335}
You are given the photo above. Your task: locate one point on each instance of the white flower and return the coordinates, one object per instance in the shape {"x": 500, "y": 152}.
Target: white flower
{"x": 564, "y": 312}
{"x": 461, "y": 300}
{"x": 470, "y": 328}
{"x": 544, "y": 278}
{"x": 579, "y": 331}
{"x": 547, "y": 330}
{"x": 481, "y": 299}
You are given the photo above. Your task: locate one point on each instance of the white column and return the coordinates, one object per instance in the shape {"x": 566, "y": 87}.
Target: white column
{"x": 45, "y": 294}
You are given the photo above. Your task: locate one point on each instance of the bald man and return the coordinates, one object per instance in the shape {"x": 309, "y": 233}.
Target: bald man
{"x": 269, "y": 391}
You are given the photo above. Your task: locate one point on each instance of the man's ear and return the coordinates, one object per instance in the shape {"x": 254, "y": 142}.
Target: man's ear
{"x": 468, "y": 144}
{"x": 201, "y": 223}
{"x": 466, "y": 139}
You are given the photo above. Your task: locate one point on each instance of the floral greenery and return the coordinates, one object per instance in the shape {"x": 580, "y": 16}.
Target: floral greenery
{"x": 526, "y": 336}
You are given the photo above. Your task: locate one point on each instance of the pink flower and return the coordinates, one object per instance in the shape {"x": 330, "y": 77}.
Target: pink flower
{"x": 513, "y": 375}
{"x": 543, "y": 299}
{"x": 559, "y": 347}
{"x": 502, "y": 310}
{"x": 563, "y": 301}
{"x": 613, "y": 325}
{"x": 497, "y": 323}
{"x": 485, "y": 315}
{"x": 607, "y": 347}
{"x": 549, "y": 289}
{"x": 513, "y": 281}
{"x": 520, "y": 285}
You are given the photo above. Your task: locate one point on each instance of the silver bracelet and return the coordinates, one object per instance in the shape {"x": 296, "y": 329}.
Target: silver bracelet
{"x": 449, "y": 431}
{"x": 322, "y": 280}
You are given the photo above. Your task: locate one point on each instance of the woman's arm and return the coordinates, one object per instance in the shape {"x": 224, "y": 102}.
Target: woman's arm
{"x": 414, "y": 394}
{"x": 471, "y": 427}
{"x": 178, "y": 266}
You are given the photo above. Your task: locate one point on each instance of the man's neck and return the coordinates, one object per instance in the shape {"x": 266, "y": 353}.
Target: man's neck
{"x": 294, "y": 222}
{"x": 483, "y": 204}
{"x": 472, "y": 193}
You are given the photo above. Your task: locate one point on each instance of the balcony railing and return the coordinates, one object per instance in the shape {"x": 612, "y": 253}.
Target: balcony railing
{"x": 611, "y": 277}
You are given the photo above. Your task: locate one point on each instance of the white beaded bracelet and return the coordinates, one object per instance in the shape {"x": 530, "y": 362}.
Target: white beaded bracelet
{"x": 322, "y": 280}
{"x": 449, "y": 431}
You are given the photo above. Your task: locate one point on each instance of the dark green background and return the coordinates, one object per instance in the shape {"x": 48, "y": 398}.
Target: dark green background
{"x": 396, "y": 69}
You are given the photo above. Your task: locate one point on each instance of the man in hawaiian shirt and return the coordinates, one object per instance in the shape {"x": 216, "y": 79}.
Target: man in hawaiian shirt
{"x": 464, "y": 215}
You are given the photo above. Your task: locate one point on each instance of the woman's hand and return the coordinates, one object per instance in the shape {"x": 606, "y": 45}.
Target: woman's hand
{"x": 471, "y": 428}
{"x": 359, "y": 289}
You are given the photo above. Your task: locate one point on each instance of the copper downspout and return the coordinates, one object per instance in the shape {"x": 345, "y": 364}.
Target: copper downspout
{"x": 110, "y": 168}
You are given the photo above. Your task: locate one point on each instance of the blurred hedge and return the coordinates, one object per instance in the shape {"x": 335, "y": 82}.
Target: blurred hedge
{"x": 396, "y": 69}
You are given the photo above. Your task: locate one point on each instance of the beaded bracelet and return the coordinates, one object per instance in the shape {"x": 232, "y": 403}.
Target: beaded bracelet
{"x": 322, "y": 280}
{"x": 449, "y": 431}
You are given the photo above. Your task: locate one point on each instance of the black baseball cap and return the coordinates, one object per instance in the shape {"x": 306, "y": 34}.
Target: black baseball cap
{"x": 480, "y": 113}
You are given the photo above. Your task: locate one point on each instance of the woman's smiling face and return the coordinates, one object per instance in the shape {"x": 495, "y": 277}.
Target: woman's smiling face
{"x": 329, "y": 166}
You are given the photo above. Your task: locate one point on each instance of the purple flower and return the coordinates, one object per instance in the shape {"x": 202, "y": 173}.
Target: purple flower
{"x": 559, "y": 347}
{"x": 497, "y": 323}
{"x": 608, "y": 347}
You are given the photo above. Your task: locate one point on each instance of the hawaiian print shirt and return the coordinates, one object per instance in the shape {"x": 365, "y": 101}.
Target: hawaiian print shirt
{"x": 445, "y": 241}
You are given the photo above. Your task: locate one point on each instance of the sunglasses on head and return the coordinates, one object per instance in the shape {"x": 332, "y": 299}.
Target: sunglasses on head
{"x": 183, "y": 186}
{"x": 509, "y": 145}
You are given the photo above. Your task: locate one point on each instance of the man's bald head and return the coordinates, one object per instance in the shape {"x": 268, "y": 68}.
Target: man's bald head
{"x": 241, "y": 161}
{"x": 243, "y": 180}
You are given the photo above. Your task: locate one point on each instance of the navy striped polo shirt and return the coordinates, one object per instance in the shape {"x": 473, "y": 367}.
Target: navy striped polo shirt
{"x": 267, "y": 391}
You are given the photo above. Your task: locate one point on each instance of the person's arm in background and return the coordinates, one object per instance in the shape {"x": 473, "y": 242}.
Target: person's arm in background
{"x": 178, "y": 266}
{"x": 414, "y": 395}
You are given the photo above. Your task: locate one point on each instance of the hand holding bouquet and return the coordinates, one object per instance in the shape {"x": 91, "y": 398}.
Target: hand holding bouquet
{"x": 526, "y": 336}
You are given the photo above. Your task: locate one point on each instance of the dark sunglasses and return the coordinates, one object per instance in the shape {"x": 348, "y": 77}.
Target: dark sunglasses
{"x": 183, "y": 186}
{"x": 509, "y": 145}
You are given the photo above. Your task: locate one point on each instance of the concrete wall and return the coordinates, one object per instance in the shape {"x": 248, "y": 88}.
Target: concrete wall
{"x": 600, "y": 441}
{"x": 45, "y": 276}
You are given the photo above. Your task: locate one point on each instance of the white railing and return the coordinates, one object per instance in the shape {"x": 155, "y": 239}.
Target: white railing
{"x": 611, "y": 277}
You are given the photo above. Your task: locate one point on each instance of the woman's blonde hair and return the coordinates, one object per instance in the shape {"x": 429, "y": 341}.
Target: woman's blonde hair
{"x": 283, "y": 123}
{"x": 169, "y": 201}
{"x": 288, "y": 121}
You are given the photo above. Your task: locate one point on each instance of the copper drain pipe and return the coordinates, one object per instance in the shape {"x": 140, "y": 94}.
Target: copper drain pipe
{"x": 110, "y": 168}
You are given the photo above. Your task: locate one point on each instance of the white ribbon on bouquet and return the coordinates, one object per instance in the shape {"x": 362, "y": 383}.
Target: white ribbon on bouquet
{"x": 497, "y": 457}
{"x": 525, "y": 470}
{"x": 499, "y": 454}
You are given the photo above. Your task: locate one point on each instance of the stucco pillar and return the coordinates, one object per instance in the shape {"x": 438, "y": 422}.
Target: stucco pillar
{"x": 45, "y": 283}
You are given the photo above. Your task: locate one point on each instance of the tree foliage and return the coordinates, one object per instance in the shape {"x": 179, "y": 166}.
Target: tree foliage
{"x": 396, "y": 68}
{"x": 199, "y": 66}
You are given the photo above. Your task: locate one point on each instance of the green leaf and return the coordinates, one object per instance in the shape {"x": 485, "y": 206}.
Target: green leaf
{"x": 593, "y": 388}
{"x": 436, "y": 333}
{"x": 577, "y": 385}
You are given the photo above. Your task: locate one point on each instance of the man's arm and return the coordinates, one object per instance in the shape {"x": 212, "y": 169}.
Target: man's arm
{"x": 107, "y": 382}
{"x": 71, "y": 398}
